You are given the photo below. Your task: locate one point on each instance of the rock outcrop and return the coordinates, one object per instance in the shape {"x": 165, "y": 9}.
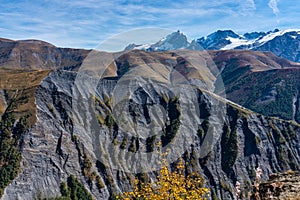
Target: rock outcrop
{"x": 285, "y": 186}
{"x": 80, "y": 121}
{"x": 105, "y": 130}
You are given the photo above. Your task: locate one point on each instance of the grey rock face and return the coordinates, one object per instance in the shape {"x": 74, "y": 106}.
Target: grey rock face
{"x": 50, "y": 155}
{"x": 110, "y": 121}
{"x": 217, "y": 40}
{"x": 285, "y": 46}
{"x": 3, "y": 103}
{"x": 281, "y": 186}
{"x": 173, "y": 41}
{"x": 254, "y": 35}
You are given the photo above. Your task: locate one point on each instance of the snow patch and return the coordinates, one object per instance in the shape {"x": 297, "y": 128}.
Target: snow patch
{"x": 293, "y": 36}
{"x": 236, "y": 42}
{"x": 143, "y": 47}
{"x": 271, "y": 36}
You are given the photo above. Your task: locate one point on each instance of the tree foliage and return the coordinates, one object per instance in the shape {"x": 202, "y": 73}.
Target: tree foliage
{"x": 11, "y": 131}
{"x": 73, "y": 190}
{"x": 169, "y": 185}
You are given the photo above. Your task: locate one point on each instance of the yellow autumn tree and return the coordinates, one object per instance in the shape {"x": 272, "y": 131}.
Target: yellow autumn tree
{"x": 169, "y": 185}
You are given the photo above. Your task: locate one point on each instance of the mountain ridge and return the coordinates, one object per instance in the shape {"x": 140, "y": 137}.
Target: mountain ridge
{"x": 242, "y": 63}
{"x": 61, "y": 142}
{"x": 37, "y": 54}
{"x": 78, "y": 127}
{"x": 283, "y": 43}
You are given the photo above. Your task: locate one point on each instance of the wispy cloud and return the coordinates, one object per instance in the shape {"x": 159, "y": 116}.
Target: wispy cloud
{"x": 273, "y": 5}
{"x": 247, "y": 7}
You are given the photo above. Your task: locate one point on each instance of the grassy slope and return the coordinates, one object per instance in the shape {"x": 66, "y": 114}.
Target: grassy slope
{"x": 261, "y": 82}
{"x": 19, "y": 87}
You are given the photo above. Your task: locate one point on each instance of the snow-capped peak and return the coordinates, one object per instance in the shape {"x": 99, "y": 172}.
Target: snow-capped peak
{"x": 283, "y": 43}
{"x": 272, "y": 35}
{"x": 260, "y": 39}
{"x": 221, "y": 39}
{"x": 173, "y": 41}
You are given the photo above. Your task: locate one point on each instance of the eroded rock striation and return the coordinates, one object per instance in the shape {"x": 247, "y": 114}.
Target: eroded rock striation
{"x": 77, "y": 124}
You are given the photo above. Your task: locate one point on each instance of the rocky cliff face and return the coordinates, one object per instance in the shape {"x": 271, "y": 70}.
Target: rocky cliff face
{"x": 281, "y": 186}
{"x": 80, "y": 120}
{"x": 217, "y": 40}
{"x": 106, "y": 130}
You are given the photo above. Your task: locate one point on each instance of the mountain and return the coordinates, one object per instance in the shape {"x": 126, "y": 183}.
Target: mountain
{"x": 239, "y": 70}
{"x": 260, "y": 81}
{"x": 242, "y": 65}
{"x": 218, "y": 39}
{"x": 283, "y": 43}
{"x": 227, "y": 39}
{"x": 100, "y": 119}
{"x": 36, "y": 54}
{"x": 173, "y": 41}
{"x": 63, "y": 140}
{"x": 254, "y": 35}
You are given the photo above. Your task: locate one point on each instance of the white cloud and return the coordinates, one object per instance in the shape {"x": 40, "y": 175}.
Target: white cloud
{"x": 273, "y": 5}
{"x": 251, "y": 4}
{"x": 247, "y": 7}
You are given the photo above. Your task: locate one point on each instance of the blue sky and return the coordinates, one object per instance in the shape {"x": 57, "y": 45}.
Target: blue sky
{"x": 87, "y": 23}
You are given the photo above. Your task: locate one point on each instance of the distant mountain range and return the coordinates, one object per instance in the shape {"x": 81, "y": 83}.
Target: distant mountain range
{"x": 283, "y": 43}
